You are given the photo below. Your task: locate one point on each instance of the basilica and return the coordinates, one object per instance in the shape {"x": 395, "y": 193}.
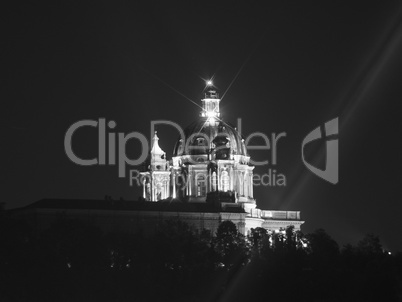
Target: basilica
{"x": 208, "y": 180}
{"x": 210, "y": 165}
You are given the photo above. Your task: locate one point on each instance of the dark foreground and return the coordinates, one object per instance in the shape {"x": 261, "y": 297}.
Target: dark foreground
{"x": 73, "y": 261}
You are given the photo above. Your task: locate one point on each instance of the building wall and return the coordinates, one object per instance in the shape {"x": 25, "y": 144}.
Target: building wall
{"x": 134, "y": 221}
{"x": 146, "y": 221}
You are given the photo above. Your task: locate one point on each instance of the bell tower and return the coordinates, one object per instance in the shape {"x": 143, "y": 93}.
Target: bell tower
{"x": 210, "y": 103}
{"x": 156, "y": 178}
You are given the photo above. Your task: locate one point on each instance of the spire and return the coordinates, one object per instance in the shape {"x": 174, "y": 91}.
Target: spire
{"x": 156, "y": 150}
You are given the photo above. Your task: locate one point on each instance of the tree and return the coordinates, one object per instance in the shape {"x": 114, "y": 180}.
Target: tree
{"x": 323, "y": 250}
{"x": 174, "y": 244}
{"x": 259, "y": 239}
{"x": 230, "y": 244}
{"x": 290, "y": 241}
{"x": 370, "y": 245}
{"x": 321, "y": 243}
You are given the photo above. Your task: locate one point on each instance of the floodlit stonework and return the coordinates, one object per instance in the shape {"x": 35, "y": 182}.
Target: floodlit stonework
{"x": 207, "y": 181}
{"x": 211, "y": 165}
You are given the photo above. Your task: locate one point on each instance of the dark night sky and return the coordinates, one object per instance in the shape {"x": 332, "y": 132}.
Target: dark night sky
{"x": 298, "y": 64}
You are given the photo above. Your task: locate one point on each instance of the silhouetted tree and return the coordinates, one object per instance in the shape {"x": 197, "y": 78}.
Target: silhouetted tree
{"x": 322, "y": 245}
{"x": 74, "y": 261}
{"x": 290, "y": 239}
{"x": 260, "y": 244}
{"x": 278, "y": 240}
{"x": 230, "y": 244}
{"x": 370, "y": 245}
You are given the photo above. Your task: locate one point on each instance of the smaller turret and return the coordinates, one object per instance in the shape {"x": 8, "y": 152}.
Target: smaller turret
{"x": 156, "y": 178}
{"x": 158, "y": 156}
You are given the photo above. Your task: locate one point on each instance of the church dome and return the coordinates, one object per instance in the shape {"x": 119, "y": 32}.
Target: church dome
{"x": 204, "y": 134}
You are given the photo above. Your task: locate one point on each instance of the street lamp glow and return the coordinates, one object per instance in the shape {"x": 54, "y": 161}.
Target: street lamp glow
{"x": 209, "y": 83}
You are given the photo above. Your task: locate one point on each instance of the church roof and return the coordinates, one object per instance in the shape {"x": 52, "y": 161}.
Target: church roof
{"x": 202, "y": 129}
{"x": 172, "y": 205}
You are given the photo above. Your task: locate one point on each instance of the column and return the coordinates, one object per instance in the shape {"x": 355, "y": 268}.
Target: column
{"x": 174, "y": 183}
{"x": 252, "y": 186}
{"x": 143, "y": 189}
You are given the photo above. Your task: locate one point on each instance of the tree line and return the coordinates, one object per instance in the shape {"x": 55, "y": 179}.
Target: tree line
{"x": 75, "y": 261}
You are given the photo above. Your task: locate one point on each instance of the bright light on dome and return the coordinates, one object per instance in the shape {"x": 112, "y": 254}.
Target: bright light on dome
{"x": 209, "y": 83}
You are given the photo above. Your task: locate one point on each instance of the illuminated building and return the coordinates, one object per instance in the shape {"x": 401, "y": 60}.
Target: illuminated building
{"x": 207, "y": 181}
{"x": 211, "y": 165}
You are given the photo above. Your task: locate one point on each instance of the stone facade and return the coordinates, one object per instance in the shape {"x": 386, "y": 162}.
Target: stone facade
{"x": 207, "y": 181}
{"x": 210, "y": 164}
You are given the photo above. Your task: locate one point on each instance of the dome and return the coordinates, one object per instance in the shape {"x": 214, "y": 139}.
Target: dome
{"x": 202, "y": 134}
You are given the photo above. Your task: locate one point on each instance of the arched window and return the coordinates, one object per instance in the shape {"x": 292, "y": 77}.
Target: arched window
{"x": 201, "y": 185}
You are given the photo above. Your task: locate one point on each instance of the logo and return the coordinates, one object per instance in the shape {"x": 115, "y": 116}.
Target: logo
{"x": 112, "y": 150}
{"x": 330, "y": 173}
